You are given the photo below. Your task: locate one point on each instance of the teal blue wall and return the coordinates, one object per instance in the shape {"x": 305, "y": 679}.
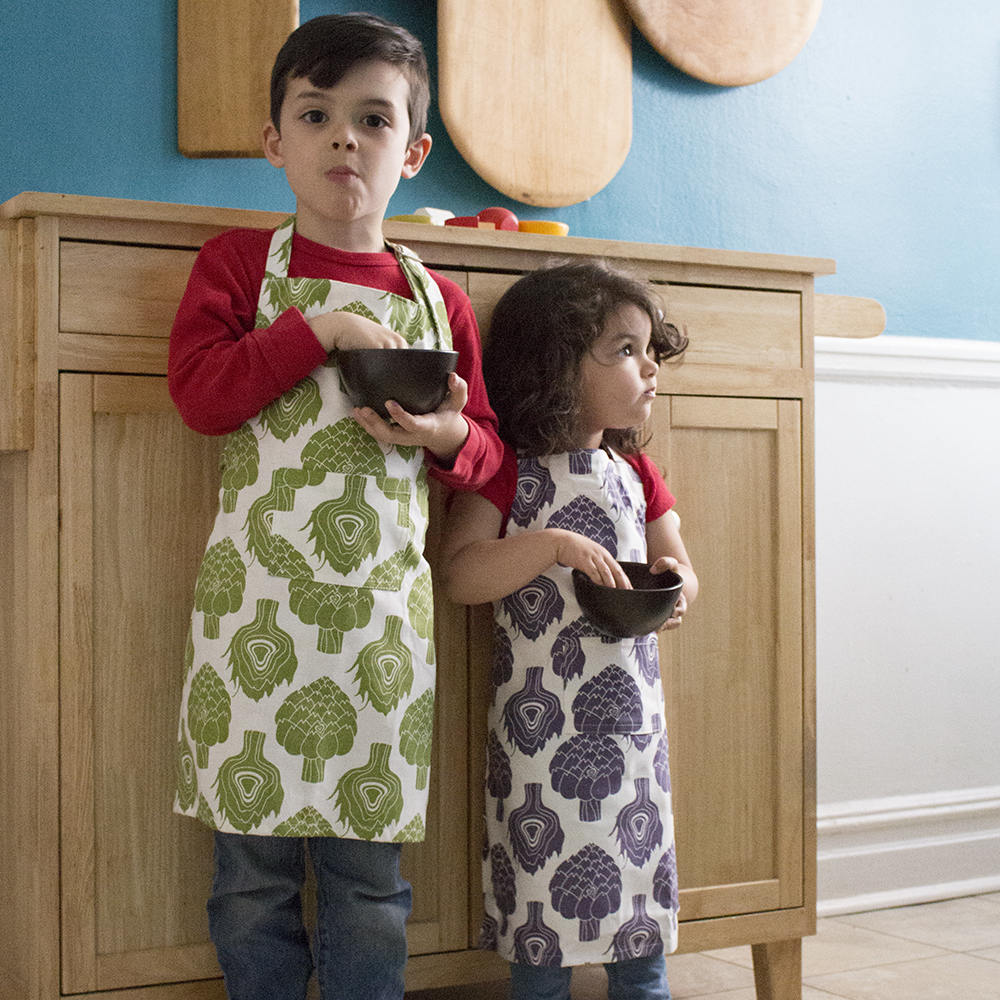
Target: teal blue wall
{"x": 878, "y": 146}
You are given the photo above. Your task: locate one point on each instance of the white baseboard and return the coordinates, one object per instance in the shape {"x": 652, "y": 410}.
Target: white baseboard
{"x": 878, "y": 853}
{"x": 908, "y": 359}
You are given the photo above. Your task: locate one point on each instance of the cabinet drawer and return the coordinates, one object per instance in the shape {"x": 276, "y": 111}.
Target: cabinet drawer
{"x": 120, "y": 289}
{"x": 744, "y": 327}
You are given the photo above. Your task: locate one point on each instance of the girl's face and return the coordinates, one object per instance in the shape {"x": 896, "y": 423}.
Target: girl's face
{"x": 617, "y": 376}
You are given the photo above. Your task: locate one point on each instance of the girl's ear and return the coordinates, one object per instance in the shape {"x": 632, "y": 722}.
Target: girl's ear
{"x": 415, "y": 156}
{"x": 271, "y": 140}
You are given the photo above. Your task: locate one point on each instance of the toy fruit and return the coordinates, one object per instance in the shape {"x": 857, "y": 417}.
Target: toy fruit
{"x": 469, "y": 221}
{"x": 502, "y": 218}
{"x": 545, "y": 227}
{"x": 435, "y": 215}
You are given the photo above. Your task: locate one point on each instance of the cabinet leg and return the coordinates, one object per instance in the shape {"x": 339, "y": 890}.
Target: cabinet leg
{"x": 777, "y": 970}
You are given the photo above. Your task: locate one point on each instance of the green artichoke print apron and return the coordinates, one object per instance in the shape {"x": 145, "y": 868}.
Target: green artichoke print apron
{"x": 308, "y": 699}
{"x": 579, "y": 863}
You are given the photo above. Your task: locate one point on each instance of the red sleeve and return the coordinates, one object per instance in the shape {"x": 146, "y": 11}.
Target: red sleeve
{"x": 658, "y": 498}
{"x": 221, "y": 371}
{"x": 479, "y": 457}
{"x": 502, "y": 488}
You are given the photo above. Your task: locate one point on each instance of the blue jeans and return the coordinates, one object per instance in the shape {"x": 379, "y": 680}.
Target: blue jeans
{"x": 255, "y": 918}
{"x": 636, "y": 979}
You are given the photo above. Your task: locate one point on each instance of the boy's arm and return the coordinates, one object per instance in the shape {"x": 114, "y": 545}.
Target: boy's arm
{"x": 221, "y": 371}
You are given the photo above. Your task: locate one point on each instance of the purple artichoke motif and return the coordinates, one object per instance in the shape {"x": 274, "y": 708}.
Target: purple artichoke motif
{"x": 608, "y": 703}
{"x": 535, "y": 943}
{"x": 497, "y": 771}
{"x": 534, "y": 607}
{"x": 568, "y": 658}
{"x": 503, "y": 659}
{"x": 639, "y": 936}
{"x": 642, "y": 740}
{"x": 488, "y": 936}
{"x": 661, "y": 762}
{"x": 587, "y": 767}
{"x": 534, "y": 831}
{"x": 502, "y": 880}
{"x": 587, "y": 887}
{"x": 585, "y": 517}
{"x": 580, "y": 462}
{"x": 638, "y": 827}
{"x": 533, "y": 715}
{"x": 535, "y": 490}
{"x": 665, "y": 881}
{"x": 618, "y": 497}
{"x": 646, "y": 651}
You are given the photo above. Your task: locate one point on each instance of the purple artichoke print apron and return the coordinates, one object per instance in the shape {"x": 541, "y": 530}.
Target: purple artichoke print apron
{"x": 308, "y": 700}
{"x": 579, "y": 862}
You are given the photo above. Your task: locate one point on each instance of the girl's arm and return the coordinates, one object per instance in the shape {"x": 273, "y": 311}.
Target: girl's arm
{"x": 480, "y": 567}
{"x": 665, "y": 550}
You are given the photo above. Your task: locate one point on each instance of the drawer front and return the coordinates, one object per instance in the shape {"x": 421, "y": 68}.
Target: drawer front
{"x": 121, "y": 290}
{"x": 748, "y": 328}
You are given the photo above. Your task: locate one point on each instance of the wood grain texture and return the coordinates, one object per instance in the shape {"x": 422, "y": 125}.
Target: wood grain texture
{"x": 537, "y": 97}
{"x": 224, "y": 54}
{"x": 726, "y": 42}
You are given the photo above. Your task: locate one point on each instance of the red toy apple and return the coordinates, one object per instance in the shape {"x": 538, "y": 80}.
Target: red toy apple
{"x": 502, "y": 218}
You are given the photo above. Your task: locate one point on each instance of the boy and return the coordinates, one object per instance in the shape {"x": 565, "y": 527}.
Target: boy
{"x": 307, "y": 705}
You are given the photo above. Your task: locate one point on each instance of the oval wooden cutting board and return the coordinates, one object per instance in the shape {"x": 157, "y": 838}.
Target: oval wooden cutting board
{"x": 537, "y": 96}
{"x": 726, "y": 42}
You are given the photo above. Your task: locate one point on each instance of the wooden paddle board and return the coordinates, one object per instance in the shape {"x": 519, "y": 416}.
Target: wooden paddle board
{"x": 726, "y": 42}
{"x": 537, "y": 96}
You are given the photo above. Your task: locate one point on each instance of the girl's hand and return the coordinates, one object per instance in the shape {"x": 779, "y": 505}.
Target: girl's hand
{"x": 339, "y": 330}
{"x": 579, "y": 552}
{"x": 674, "y": 621}
{"x": 442, "y": 432}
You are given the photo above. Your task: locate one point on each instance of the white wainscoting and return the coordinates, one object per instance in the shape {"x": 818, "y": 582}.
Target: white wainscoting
{"x": 908, "y": 620}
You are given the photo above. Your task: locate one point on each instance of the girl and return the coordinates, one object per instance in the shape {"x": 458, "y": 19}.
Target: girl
{"x": 579, "y": 860}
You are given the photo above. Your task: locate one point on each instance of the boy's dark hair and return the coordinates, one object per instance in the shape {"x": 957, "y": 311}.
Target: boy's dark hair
{"x": 323, "y": 49}
{"x": 541, "y": 329}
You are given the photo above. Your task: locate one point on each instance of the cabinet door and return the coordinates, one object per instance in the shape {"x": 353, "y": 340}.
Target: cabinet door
{"x": 138, "y": 493}
{"x": 733, "y": 674}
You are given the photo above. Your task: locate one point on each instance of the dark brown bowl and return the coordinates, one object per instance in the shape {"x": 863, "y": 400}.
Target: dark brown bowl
{"x": 627, "y": 613}
{"x": 415, "y": 378}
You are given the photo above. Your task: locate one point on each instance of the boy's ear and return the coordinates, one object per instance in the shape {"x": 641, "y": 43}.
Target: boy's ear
{"x": 415, "y": 155}
{"x": 271, "y": 140}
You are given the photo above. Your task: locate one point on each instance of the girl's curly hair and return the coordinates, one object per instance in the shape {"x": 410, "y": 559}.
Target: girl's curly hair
{"x": 542, "y": 328}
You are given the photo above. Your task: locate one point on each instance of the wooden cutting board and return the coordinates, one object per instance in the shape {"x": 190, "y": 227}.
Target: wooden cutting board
{"x": 726, "y": 42}
{"x": 537, "y": 96}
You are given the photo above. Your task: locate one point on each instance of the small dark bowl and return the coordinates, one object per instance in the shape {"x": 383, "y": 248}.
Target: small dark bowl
{"x": 417, "y": 379}
{"x": 627, "y": 613}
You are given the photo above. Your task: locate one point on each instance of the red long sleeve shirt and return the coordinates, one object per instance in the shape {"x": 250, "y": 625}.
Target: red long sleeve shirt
{"x": 222, "y": 371}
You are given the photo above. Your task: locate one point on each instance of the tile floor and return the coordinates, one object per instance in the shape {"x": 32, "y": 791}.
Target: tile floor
{"x": 934, "y": 951}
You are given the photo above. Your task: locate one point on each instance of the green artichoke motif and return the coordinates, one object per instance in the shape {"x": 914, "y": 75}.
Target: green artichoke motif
{"x": 370, "y": 797}
{"x": 342, "y": 447}
{"x": 240, "y": 465}
{"x": 205, "y": 813}
{"x": 346, "y": 530}
{"x": 316, "y": 722}
{"x": 415, "y": 733}
{"x": 385, "y": 668}
{"x": 248, "y": 785}
{"x": 302, "y": 293}
{"x": 292, "y": 410}
{"x": 307, "y": 822}
{"x": 275, "y": 553}
{"x": 389, "y": 574}
{"x": 405, "y": 316}
{"x": 398, "y": 490}
{"x": 334, "y": 608}
{"x": 414, "y": 831}
{"x": 187, "y": 779}
{"x": 221, "y": 582}
{"x": 209, "y": 712}
{"x": 420, "y": 606}
{"x": 261, "y": 654}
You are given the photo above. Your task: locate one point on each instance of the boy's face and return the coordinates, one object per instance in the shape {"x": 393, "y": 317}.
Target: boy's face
{"x": 344, "y": 149}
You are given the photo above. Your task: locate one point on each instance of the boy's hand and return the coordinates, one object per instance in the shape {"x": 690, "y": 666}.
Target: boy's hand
{"x": 338, "y": 330}
{"x": 442, "y": 432}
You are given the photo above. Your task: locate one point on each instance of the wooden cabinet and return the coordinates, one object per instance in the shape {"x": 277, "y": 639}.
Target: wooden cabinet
{"x": 105, "y": 503}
